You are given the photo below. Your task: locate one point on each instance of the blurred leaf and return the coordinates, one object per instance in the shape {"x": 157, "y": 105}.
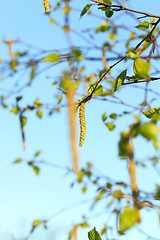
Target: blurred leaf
{"x": 157, "y": 194}
{"x": 103, "y": 27}
{"x": 37, "y": 153}
{"x": 39, "y": 114}
{"x": 85, "y": 9}
{"x": 123, "y": 145}
{"x": 15, "y": 110}
{"x": 66, "y": 28}
{"x": 66, "y": 9}
{"x": 18, "y": 160}
{"x": 94, "y": 235}
{"x": 110, "y": 126}
{"x": 108, "y": 12}
{"x": 53, "y": 57}
{"x": 104, "y": 117}
{"x": 80, "y": 175}
{"x": 23, "y": 120}
{"x": 84, "y": 225}
{"x": 59, "y": 98}
{"x": 113, "y": 115}
{"x": 84, "y": 189}
{"x": 36, "y": 223}
{"x": 128, "y": 218}
{"x": 143, "y": 25}
{"x": 37, "y": 103}
{"x": 18, "y": 98}
{"x": 36, "y": 169}
{"x": 118, "y": 194}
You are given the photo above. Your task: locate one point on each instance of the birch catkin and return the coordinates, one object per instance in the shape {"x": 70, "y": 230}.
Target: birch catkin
{"x": 46, "y": 6}
{"x": 82, "y": 123}
{"x": 72, "y": 125}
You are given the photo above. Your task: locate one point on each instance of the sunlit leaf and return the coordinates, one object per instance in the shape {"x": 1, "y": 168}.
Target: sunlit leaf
{"x": 120, "y": 80}
{"x": 153, "y": 113}
{"x": 53, "y": 57}
{"x": 141, "y": 68}
{"x": 98, "y": 89}
{"x": 143, "y": 25}
{"x": 128, "y": 218}
{"x": 85, "y": 9}
{"x": 94, "y": 235}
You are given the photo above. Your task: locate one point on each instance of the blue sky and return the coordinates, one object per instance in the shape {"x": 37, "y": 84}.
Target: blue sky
{"x": 25, "y": 196}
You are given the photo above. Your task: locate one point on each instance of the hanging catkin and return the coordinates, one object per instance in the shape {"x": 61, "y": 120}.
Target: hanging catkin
{"x": 46, "y": 6}
{"x": 82, "y": 123}
{"x": 72, "y": 124}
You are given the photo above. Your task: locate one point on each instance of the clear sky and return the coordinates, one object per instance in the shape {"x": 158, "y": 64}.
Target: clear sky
{"x": 25, "y": 196}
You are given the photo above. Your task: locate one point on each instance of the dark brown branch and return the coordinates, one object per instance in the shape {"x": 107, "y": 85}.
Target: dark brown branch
{"x": 120, "y": 8}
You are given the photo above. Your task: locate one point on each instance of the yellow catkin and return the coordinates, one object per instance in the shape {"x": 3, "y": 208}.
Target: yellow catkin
{"x": 77, "y": 104}
{"x": 72, "y": 125}
{"x": 82, "y": 123}
{"x": 46, "y": 6}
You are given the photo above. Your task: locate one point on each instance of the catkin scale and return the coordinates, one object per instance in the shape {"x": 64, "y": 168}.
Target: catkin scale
{"x": 82, "y": 123}
{"x": 46, "y": 6}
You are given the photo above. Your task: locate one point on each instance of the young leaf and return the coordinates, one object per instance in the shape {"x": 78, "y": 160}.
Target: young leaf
{"x": 85, "y": 9}
{"x": 153, "y": 113}
{"x": 98, "y": 91}
{"x": 94, "y": 235}
{"x": 128, "y": 218}
{"x": 120, "y": 80}
{"x": 143, "y": 25}
{"x": 36, "y": 169}
{"x": 53, "y": 57}
{"x": 104, "y": 117}
{"x": 110, "y": 126}
{"x": 141, "y": 68}
{"x": 39, "y": 114}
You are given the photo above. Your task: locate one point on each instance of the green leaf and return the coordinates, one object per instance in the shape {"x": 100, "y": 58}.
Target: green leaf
{"x": 108, "y": 12}
{"x": 150, "y": 131}
{"x": 32, "y": 73}
{"x": 15, "y": 110}
{"x": 23, "y": 120}
{"x": 103, "y": 27}
{"x": 85, "y": 9}
{"x": 36, "y": 169}
{"x": 66, "y": 9}
{"x": 123, "y": 145}
{"x": 80, "y": 175}
{"x": 53, "y": 57}
{"x": 141, "y": 68}
{"x": 59, "y": 99}
{"x": 37, "y": 153}
{"x": 83, "y": 189}
{"x": 118, "y": 194}
{"x": 94, "y": 235}
{"x": 110, "y": 126}
{"x": 143, "y": 25}
{"x": 36, "y": 223}
{"x": 128, "y": 218}
{"x": 104, "y": 117}
{"x": 18, "y": 160}
{"x": 37, "y": 103}
{"x": 98, "y": 91}
{"x": 113, "y": 115}
{"x": 157, "y": 194}
{"x": 153, "y": 113}
{"x": 84, "y": 225}
{"x": 39, "y": 114}
{"x": 120, "y": 80}
{"x": 18, "y": 98}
